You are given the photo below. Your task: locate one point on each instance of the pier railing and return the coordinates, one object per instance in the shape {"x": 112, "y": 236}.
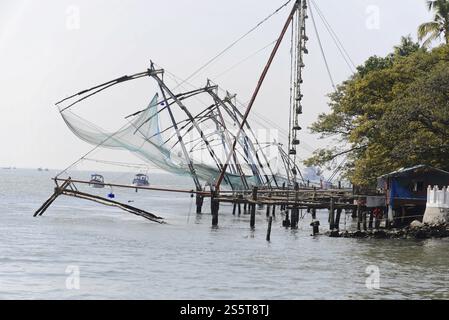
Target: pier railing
{"x": 438, "y": 198}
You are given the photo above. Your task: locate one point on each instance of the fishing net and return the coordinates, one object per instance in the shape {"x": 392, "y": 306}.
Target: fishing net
{"x": 142, "y": 136}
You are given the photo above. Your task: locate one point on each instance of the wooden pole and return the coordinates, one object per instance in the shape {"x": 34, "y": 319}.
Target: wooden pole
{"x": 337, "y": 219}
{"x": 253, "y": 209}
{"x": 315, "y": 223}
{"x": 270, "y": 222}
{"x": 256, "y": 92}
{"x": 359, "y": 214}
{"x": 371, "y": 219}
{"x": 314, "y": 214}
{"x": 364, "y": 221}
{"x": 199, "y": 203}
{"x": 332, "y": 215}
{"x": 123, "y": 186}
{"x": 215, "y": 205}
{"x": 294, "y": 222}
{"x": 253, "y": 216}
{"x": 295, "y": 210}
{"x": 56, "y": 194}
{"x": 286, "y": 223}
{"x": 316, "y": 227}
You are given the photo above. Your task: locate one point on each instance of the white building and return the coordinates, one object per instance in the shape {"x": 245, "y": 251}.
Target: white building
{"x": 437, "y": 208}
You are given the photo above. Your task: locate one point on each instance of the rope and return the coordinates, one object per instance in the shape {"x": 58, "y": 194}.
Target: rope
{"x": 86, "y": 155}
{"x": 180, "y": 83}
{"x": 336, "y": 39}
{"x": 120, "y": 164}
{"x": 322, "y": 50}
{"x": 234, "y": 43}
{"x": 244, "y": 60}
{"x": 92, "y": 150}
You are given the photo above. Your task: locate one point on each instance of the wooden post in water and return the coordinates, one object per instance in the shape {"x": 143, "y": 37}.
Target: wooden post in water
{"x": 378, "y": 221}
{"x": 273, "y": 211}
{"x": 295, "y": 210}
{"x": 294, "y": 221}
{"x": 253, "y": 209}
{"x": 371, "y": 219}
{"x": 234, "y": 209}
{"x": 268, "y": 206}
{"x": 270, "y": 222}
{"x": 359, "y": 214}
{"x": 337, "y": 219}
{"x": 240, "y": 209}
{"x": 364, "y": 221}
{"x": 331, "y": 215}
{"x": 315, "y": 223}
{"x": 215, "y": 206}
{"x": 286, "y": 223}
{"x": 199, "y": 203}
{"x": 252, "y": 222}
{"x": 283, "y": 205}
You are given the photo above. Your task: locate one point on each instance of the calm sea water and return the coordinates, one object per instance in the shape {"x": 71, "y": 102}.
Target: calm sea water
{"x": 121, "y": 256}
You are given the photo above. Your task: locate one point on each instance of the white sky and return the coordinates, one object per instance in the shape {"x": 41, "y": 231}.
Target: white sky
{"x": 43, "y": 59}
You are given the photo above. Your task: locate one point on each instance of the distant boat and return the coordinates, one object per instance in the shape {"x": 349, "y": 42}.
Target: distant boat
{"x": 40, "y": 169}
{"x": 96, "y": 181}
{"x": 141, "y": 180}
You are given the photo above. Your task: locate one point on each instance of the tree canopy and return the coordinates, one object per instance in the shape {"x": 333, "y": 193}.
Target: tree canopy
{"x": 393, "y": 113}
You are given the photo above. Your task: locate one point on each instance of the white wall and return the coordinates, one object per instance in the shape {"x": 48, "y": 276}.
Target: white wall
{"x": 437, "y": 198}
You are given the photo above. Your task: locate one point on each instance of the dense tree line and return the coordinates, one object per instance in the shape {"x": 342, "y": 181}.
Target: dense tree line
{"x": 392, "y": 113}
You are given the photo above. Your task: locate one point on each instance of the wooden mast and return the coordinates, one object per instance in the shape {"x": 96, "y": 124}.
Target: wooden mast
{"x": 256, "y": 92}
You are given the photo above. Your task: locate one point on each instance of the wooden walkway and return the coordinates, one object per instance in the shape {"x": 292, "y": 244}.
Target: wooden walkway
{"x": 289, "y": 202}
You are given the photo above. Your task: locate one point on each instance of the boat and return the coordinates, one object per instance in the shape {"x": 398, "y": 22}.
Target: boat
{"x": 96, "y": 181}
{"x": 141, "y": 180}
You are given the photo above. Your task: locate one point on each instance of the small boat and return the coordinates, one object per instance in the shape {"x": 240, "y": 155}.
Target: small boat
{"x": 141, "y": 180}
{"x": 97, "y": 181}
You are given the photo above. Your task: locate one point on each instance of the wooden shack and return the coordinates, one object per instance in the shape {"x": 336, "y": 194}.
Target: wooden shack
{"x": 406, "y": 192}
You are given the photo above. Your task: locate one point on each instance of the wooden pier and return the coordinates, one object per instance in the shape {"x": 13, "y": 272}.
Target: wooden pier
{"x": 292, "y": 204}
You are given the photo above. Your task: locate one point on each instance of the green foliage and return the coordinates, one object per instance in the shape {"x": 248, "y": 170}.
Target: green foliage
{"x": 439, "y": 26}
{"x": 393, "y": 113}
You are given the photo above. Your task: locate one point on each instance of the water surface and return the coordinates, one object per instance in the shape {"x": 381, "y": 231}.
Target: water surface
{"x": 122, "y": 256}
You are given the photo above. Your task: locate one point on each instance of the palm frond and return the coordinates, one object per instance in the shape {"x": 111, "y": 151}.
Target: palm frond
{"x": 429, "y": 28}
{"x": 430, "y": 4}
{"x": 438, "y": 27}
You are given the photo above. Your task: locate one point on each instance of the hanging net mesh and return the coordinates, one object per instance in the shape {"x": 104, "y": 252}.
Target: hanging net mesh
{"x": 143, "y": 137}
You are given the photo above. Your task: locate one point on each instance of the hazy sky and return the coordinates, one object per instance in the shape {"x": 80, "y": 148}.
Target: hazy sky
{"x": 52, "y": 48}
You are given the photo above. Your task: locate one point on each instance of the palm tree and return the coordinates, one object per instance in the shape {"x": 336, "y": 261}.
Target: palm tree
{"x": 439, "y": 26}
